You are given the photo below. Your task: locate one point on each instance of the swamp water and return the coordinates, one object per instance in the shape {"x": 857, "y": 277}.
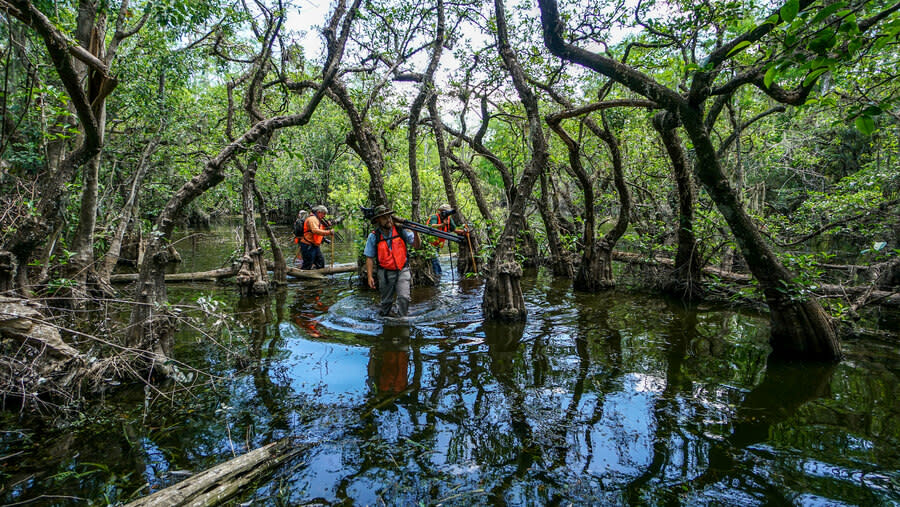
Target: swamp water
{"x": 606, "y": 399}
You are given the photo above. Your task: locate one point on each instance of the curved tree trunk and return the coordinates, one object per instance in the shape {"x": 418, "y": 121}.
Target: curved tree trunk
{"x": 800, "y": 326}
{"x": 477, "y": 193}
{"x": 279, "y": 269}
{"x": 503, "y": 298}
{"x": 685, "y": 277}
{"x": 595, "y": 271}
{"x": 364, "y": 142}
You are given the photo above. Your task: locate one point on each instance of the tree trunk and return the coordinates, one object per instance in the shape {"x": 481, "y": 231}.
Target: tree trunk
{"x": 477, "y": 193}
{"x": 124, "y": 218}
{"x": 800, "y": 326}
{"x": 421, "y": 272}
{"x": 595, "y": 271}
{"x": 364, "y": 142}
{"x": 252, "y": 277}
{"x": 425, "y": 90}
{"x": 685, "y": 277}
{"x": 560, "y": 263}
{"x": 503, "y": 299}
{"x": 224, "y": 481}
{"x": 279, "y": 269}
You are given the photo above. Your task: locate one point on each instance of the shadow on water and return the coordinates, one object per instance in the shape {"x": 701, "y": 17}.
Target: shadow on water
{"x": 612, "y": 398}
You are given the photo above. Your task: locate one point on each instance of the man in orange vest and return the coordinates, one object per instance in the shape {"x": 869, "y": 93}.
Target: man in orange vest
{"x": 387, "y": 246}
{"x": 442, "y": 220}
{"x": 313, "y": 235}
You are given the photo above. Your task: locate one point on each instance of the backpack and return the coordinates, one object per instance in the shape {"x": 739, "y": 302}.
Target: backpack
{"x": 298, "y": 224}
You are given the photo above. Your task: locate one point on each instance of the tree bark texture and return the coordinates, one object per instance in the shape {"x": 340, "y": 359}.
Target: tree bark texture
{"x": 685, "y": 277}
{"x": 503, "y": 298}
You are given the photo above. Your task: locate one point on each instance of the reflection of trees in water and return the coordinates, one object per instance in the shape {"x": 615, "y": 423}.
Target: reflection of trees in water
{"x": 264, "y": 345}
{"x": 523, "y": 417}
{"x": 668, "y": 437}
{"x": 503, "y": 343}
{"x": 685, "y": 461}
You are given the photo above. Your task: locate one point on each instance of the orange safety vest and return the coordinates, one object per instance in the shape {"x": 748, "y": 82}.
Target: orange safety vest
{"x": 442, "y": 226}
{"x": 308, "y": 236}
{"x": 391, "y": 257}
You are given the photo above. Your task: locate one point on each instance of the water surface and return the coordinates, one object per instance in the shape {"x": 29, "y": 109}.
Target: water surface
{"x": 616, "y": 398}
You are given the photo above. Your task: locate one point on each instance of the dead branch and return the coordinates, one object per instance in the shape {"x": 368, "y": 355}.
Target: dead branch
{"x": 225, "y": 480}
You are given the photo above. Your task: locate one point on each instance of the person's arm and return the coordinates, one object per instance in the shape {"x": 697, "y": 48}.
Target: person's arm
{"x": 370, "y": 252}
{"x": 369, "y": 264}
{"x": 316, "y": 227}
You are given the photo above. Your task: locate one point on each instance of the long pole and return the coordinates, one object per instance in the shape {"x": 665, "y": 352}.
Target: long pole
{"x": 450, "y": 249}
{"x": 471, "y": 251}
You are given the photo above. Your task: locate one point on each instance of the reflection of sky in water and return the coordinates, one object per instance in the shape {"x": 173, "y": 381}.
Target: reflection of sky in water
{"x": 339, "y": 369}
{"x": 622, "y": 441}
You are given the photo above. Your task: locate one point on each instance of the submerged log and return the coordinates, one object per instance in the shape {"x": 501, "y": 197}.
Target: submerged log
{"x": 218, "y": 274}
{"x": 225, "y": 480}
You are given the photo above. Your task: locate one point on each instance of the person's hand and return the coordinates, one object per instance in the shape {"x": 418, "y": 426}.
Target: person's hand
{"x": 371, "y": 282}
{"x": 331, "y": 233}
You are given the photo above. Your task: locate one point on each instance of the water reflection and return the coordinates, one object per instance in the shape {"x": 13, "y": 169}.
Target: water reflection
{"x": 597, "y": 399}
{"x": 389, "y": 362}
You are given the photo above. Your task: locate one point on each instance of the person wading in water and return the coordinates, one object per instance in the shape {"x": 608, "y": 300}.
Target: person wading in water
{"x": 313, "y": 234}
{"x": 298, "y": 235}
{"x": 442, "y": 220}
{"x": 387, "y": 246}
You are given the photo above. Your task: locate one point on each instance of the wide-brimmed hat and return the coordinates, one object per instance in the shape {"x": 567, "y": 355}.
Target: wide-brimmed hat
{"x": 380, "y": 211}
{"x": 445, "y": 207}
{"x": 319, "y": 208}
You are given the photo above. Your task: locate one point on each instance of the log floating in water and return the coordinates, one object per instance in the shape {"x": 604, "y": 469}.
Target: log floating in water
{"x": 225, "y": 480}
{"x": 218, "y": 274}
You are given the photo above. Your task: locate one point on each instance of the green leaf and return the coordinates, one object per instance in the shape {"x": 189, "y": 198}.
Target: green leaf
{"x": 826, "y": 11}
{"x": 739, "y": 46}
{"x": 770, "y": 76}
{"x": 865, "y": 124}
{"x": 813, "y": 75}
{"x": 789, "y": 10}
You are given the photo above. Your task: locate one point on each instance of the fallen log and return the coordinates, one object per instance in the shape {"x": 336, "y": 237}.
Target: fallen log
{"x": 883, "y": 297}
{"x": 223, "y": 481}
{"x": 218, "y": 274}
{"x": 318, "y": 274}
{"x": 200, "y": 276}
